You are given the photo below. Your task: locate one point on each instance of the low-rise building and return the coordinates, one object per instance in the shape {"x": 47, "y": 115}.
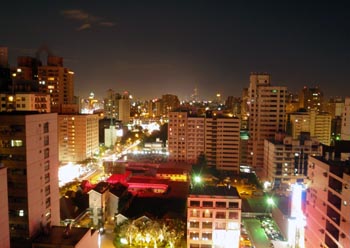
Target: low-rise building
{"x": 213, "y": 217}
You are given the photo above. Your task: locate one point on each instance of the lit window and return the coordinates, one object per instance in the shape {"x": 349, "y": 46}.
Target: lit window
{"x": 21, "y": 213}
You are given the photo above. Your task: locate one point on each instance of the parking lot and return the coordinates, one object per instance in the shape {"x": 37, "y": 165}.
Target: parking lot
{"x": 261, "y": 231}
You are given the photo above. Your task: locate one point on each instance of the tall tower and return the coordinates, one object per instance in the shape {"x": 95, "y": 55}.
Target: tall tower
{"x": 124, "y": 108}
{"x": 4, "y": 57}
{"x": 345, "y": 126}
{"x": 58, "y": 81}
{"x": 266, "y": 109}
{"x": 28, "y": 148}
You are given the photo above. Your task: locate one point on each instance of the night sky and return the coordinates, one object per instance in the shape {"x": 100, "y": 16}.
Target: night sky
{"x": 152, "y": 48}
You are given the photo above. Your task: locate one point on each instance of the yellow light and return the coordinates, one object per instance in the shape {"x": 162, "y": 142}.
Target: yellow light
{"x": 10, "y": 98}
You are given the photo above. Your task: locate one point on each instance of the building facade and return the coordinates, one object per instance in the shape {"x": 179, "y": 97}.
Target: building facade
{"x": 345, "y": 124}
{"x": 327, "y": 203}
{"x": 215, "y": 137}
{"x": 318, "y": 124}
{"x": 4, "y": 212}
{"x": 213, "y": 217}
{"x": 286, "y": 159}
{"x": 222, "y": 143}
{"x": 30, "y": 153}
{"x": 58, "y": 82}
{"x": 311, "y": 98}
{"x": 78, "y": 137}
{"x": 25, "y": 102}
{"x": 266, "y": 110}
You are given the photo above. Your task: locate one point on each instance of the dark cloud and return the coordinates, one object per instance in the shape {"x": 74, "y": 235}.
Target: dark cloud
{"x": 86, "y": 19}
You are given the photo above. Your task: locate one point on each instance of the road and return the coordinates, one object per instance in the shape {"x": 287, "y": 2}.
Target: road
{"x": 256, "y": 233}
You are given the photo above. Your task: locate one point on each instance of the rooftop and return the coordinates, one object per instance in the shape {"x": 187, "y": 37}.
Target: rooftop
{"x": 59, "y": 237}
{"x": 214, "y": 191}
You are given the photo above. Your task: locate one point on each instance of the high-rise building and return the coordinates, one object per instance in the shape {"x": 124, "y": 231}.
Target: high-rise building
{"x": 77, "y": 137}
{"x": 58, "y": 81}
{"x": 4, "y": 57}
{"x": 169, "y": 103}
{"x": 124, "y": 108}
{"x": 111, "y": 104}
{"x": 222, "y": 143}
{"x": 318, "y": 124}
{"x": 213, "y": 217}
{"x": 286, "y": 159}
{"x": 345, "y": 125}
{"x": 266, "y": 106}
{"x": 29, "y": 151}
{"x": 27, "y": 68}
{"x": 327, "y": 200}
{"x": 216, "y": 137}
{"x": 311, "y": 98}
{"x": 186, "y": 138}
{"x": 4, "y": 211}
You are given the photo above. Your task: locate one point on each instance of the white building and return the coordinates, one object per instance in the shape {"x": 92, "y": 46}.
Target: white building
{"x": 213, "y": 217}
{"x": 286, "y": 159}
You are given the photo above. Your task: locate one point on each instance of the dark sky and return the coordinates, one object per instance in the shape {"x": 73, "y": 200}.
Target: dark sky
{"x": 152, "y": 48}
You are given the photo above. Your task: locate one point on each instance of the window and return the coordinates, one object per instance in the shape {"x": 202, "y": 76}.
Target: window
{"x": 46, "y": 153}
{"x": 207, "y": 204}
{"x": 46, "y": 140}
{"x": 194, "y": 224}
{"x": 47, "y": 165}
{"x": 194, "y": 236}
{"x": 233, "y": 215}
{"x": 47, "y": 177}
{"x": 194, "y": 203}
{"x": 206, "y": 236}
{"x": 233, "y": 205}
{"x": 48, "y": 202}
{"x": 220, "y": 215}
{"x": 46, "y": 127}
{"x": 16, "y": 143}
{"x": 207, "y": 225}
{"x": 220, "y": 204}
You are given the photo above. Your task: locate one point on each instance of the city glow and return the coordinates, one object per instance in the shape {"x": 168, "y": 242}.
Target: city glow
{"x": 68, "y": 173}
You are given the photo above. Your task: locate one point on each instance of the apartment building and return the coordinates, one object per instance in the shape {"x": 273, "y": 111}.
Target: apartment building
{"x": 35, "y": 101}
{"x": 213, "y": 217}
{"x": 222, "y": 143}
{"x": 28, "y": 148}
{"x": 4, "y": 212}
{"x": 345, "y": 123}
{"x": 286, "y": 159}
{"x": 318, "y": 124}
{"x": 77, "y": 136}
{"x": 327, "y": 201}
{"x": 217, "y": 137}
{"x": 57, "y": 81}
{"x": 266, "y": 110}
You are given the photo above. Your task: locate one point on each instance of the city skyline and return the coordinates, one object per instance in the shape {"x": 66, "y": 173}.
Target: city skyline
{"x": 156, "y": 48}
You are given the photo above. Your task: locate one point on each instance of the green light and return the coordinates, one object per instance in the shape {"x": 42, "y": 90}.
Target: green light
{"x": 270, "y": 201}
{"x": 274, "y": 91}
{"x": 197, "y": 179}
